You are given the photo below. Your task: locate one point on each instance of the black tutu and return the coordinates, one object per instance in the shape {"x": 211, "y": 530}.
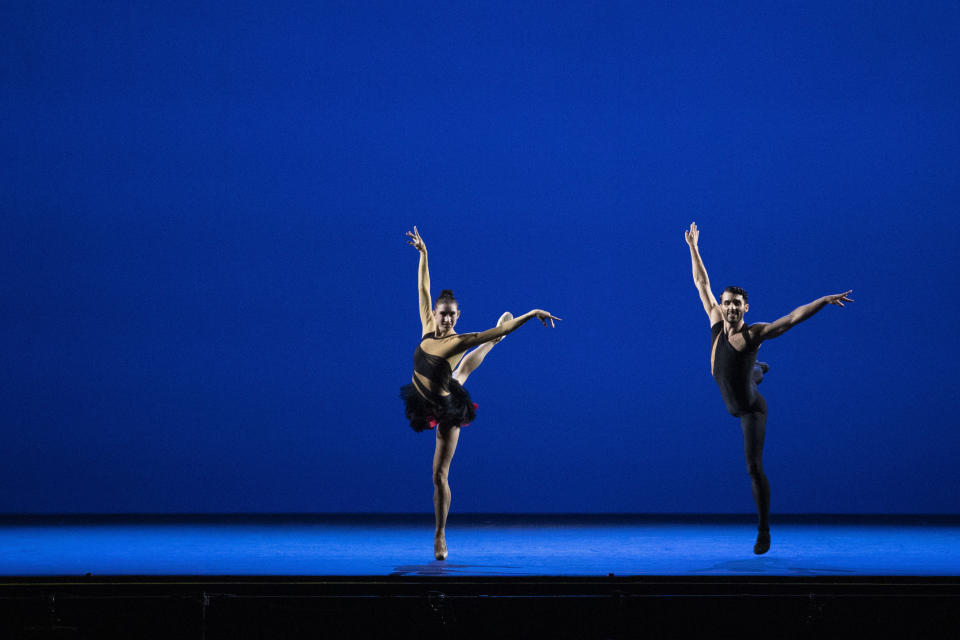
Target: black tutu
{"x": 456, "y": 409}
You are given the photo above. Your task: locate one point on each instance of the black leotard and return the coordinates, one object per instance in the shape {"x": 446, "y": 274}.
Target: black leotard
{"x": 434, "y": 368}
{"x": 427, "y": 408}
{"x": 733, "y": 372}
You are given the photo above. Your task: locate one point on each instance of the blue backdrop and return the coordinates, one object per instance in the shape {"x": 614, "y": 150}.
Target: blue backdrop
{"x": 209, "y": 304}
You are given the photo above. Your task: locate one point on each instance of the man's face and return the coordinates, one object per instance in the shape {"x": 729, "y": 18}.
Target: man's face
{"x": 733, "y": 306}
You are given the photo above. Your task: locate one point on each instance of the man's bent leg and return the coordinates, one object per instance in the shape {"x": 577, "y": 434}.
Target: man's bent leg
{"x": 759, "y": 369}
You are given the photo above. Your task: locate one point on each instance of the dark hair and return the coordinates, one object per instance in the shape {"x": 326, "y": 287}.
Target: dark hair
{"x": 446, "y": 296}
{"x": 736, "y": 291}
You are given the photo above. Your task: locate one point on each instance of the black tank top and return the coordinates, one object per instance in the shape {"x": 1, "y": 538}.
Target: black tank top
{"x": 733, "y": 371}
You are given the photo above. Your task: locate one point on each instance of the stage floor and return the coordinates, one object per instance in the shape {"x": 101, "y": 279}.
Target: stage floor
{"x": 480, "y": 546}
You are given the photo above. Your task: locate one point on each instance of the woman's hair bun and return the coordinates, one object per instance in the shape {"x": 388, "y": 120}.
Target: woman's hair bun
{"x": 446, "y": 296}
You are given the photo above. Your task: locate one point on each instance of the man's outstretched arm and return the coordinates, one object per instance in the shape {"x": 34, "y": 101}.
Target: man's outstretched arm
{"x": 700, "y": 278}
{"x": 765, "y": 331}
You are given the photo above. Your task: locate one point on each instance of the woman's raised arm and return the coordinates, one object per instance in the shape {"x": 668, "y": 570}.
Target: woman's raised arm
{"x": 423, "y": 283}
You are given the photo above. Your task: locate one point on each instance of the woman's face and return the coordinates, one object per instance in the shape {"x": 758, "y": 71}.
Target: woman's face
{"x": 445, "y": 315}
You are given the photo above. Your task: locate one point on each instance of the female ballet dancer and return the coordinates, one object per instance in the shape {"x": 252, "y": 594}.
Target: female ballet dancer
{"x": 435, "y": 398}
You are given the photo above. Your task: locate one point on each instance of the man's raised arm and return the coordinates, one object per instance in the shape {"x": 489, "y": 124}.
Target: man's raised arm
{"x": 700, "y": 278}
{"x": 765, "y": 331}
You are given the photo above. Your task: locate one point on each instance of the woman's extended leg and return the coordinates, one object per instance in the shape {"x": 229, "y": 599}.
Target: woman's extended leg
{"x": 473, "y": 359}
{"x": 447, "y": 438}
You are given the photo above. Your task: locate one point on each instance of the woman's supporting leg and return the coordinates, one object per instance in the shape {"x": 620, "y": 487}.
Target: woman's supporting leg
{"x": 447, "y": 438}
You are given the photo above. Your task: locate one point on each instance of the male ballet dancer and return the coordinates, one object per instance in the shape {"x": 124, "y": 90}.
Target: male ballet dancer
{"x": 733, "y": 361}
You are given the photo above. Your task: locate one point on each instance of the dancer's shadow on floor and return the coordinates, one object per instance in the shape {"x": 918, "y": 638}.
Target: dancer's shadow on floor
{"x": 766, "y": 566}
{"x": 443, "y": 568}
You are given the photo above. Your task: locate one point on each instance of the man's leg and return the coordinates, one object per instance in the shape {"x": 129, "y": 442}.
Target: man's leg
{"x": 754, "y": 429}
{"x": 759, "y": 369}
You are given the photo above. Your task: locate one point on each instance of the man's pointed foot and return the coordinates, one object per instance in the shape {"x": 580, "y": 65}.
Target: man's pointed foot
{"x": 762, "y": 545}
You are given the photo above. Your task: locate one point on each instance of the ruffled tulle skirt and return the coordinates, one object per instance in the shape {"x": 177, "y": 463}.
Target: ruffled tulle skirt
{"x": 456, "y": 409}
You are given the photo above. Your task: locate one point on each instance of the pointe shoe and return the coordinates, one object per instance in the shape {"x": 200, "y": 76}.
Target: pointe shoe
{"x": 762, "y": 545}
{"x": 440, "y": 549}
{"x": 506, "y": 317}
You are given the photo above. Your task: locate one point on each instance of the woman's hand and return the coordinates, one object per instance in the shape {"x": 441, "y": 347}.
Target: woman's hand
{"x": 692, "y": 236}
{"x": 544, "y": 316}
{"x": 416, "y": 241}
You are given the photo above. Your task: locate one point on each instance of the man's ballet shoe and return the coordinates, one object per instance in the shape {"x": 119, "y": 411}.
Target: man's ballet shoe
{"x": 762, "y": 545}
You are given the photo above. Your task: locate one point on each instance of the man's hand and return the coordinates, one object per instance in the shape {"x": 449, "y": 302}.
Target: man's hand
{"x": 415, "y": 240}
{"x": 839, "y": 298}
{"x": 692, "y": 236}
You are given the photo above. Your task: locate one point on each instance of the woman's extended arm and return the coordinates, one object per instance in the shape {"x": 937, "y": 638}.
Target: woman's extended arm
{"x": 423, "y": 283}
{"x": 470, "y": 340}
